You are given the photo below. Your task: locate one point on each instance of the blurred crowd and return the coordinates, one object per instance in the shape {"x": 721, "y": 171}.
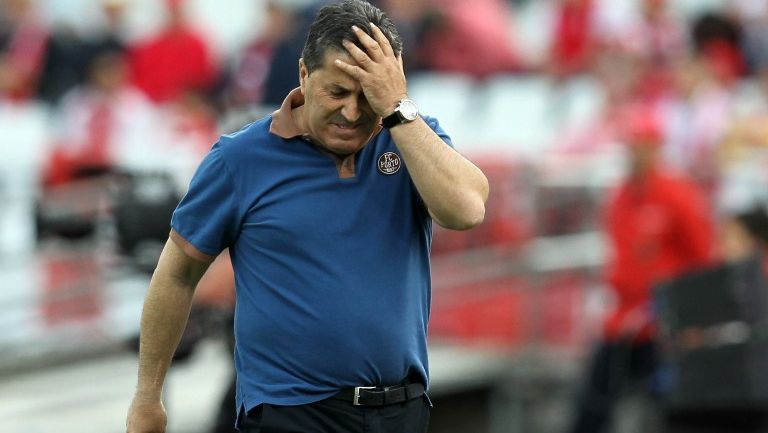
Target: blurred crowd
{"x": 116, "y": 98}
{"x": 703, "y": 81}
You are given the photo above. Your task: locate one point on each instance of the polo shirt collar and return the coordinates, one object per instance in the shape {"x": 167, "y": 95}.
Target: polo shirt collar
{"x": 283, "y": 124}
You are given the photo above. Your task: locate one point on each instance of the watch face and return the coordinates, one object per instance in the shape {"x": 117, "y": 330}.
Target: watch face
{"x": 408, "y": 110}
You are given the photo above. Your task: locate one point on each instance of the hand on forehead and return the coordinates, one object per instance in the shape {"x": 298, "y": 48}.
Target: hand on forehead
{"x": 371, "y": 44}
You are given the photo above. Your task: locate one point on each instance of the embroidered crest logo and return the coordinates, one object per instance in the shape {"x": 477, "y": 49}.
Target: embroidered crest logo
{"x": 389, "y": 163}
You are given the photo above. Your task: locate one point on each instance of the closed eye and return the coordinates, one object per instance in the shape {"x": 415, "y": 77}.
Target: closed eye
{"x": 338, "y": 92}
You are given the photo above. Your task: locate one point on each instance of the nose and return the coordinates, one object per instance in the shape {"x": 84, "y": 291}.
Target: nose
{"x": 351, "y": 110}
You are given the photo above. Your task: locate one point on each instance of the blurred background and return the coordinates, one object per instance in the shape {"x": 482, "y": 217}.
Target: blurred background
{"x": 107, "y": 106}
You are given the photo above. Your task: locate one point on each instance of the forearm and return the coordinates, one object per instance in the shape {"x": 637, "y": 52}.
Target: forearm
{"x": 164, "y": 317}
{"x": 453, "y": 188}
{"x": 162, "y": 322}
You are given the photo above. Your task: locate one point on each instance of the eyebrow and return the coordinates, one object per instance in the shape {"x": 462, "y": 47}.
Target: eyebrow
{"x": 338, "y": 87}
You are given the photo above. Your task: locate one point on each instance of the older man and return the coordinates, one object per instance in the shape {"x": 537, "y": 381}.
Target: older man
{"x": 326, "y": 207}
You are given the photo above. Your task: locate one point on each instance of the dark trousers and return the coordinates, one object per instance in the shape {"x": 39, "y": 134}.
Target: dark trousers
{"x": 227, "y": 415}
{"x": 339, "y": 416}
{"x": 614, "y": 366}
{"x": 718, "y": 421}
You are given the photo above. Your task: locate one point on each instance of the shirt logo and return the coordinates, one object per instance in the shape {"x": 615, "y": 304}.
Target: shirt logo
{"x": 389, "y": 163}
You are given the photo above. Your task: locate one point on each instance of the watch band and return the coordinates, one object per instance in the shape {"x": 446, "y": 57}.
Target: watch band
{"x": 392, "y": 120}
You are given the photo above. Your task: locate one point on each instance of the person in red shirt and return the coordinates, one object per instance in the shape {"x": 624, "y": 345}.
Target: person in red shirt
{"x": 176, "y": 61}
{"x": 659, "y": 227}
{"x": 23, "y": 42}
{"x": 572, "y": 40}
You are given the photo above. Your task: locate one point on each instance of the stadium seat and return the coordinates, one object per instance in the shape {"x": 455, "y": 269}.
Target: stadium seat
{"x": 581, "y": 101}
{"x": 517, "y": 113}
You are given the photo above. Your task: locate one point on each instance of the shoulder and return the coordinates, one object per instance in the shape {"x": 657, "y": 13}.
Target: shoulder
{"x": 683, "y": 194}
{"x": 675, "y": 184}
{"x": 252, "y": 131}
{"x": 434, "y": 124}
{"x": 248, "y": 138}
{"x": 232, "y": 151}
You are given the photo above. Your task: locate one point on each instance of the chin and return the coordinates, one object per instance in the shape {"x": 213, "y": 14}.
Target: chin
{"x": 343, "y": 147}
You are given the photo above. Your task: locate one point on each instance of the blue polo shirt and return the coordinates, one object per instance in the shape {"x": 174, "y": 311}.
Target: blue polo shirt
{"x": 332, "y": 274}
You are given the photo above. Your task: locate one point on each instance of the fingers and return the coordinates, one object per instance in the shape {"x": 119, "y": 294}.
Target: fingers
{"x": 386, "y": 47}
{"x": 354, "y": 71}
{"x": 376, "y": 50}
{"x": 359, "y": 55}
{"x": 371, "y": 45}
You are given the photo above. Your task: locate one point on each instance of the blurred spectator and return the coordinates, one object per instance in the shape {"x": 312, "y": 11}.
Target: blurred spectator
{"x": 415, "y": 19}
{"x": 100, "y": 121}
{"x": 573, "y": 37}
{"x": 699, "y": 361}
{"x": 619, "y": 73}
{"x": 745, "y": 138}
{"x": 185, "y": 130}
{"x": 715, "y": 27}
{"x": 248, "y": 78}
{"x": 663, "y": 39}
{"x": 717, "y": 38}
{"x": 175, "y": 61}
{"x": 68, "y": 53}
{"x": 657, "y": 39}
{"x": 754, "y": 21}
{"x": 742, "y": 155}
{"x": 191, "y": 120}
{"x": 472, "y": 38}
{"x": 662, "y": 35}
{"x": 64, "y": 64}
{"x": 698, "y": 114}
{"x": 111, "y": 35}
{"x": 745, "y": 234}
{"x": 658, "y": 225}
{"x": 22, "y": 46}
{"x": 281, "y": 74}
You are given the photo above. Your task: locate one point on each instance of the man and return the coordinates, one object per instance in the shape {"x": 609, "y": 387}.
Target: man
{"x": 327, "y": 216}
{"x": 659, "y": 227}
{"x": 744, "y": 234}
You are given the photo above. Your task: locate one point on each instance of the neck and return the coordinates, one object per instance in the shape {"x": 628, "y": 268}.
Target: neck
{"x": 298, "y": 118}
{"x": 640, "y": 176}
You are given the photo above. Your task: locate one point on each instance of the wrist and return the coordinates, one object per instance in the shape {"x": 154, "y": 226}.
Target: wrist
{"x": 393, "y": 105}
{"x": 148, "y": 393}
{"x": 141, "y": 397}
{"x": 405, "y": 111}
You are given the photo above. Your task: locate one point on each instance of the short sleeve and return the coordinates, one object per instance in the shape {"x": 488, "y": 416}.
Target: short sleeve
{"x": 208, "y": 216}
{"x": 435, "y": 126}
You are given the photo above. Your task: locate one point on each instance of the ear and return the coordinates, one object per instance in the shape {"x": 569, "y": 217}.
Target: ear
{"x": 303, "y": 74}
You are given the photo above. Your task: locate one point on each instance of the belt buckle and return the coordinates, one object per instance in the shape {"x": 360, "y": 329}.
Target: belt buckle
{"x": 356, "y": 399}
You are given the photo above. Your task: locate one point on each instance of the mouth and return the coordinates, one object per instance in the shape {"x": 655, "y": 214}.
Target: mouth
{"x": 347, "y": 131}
{"x": 346, "y": 126}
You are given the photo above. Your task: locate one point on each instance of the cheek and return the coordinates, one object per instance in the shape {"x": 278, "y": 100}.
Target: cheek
{"x": 319, "y": 112}
{"x": 327, "y": 107}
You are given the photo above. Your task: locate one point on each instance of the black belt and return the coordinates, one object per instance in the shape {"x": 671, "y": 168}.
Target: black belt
{"x": 381, "y": 396}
